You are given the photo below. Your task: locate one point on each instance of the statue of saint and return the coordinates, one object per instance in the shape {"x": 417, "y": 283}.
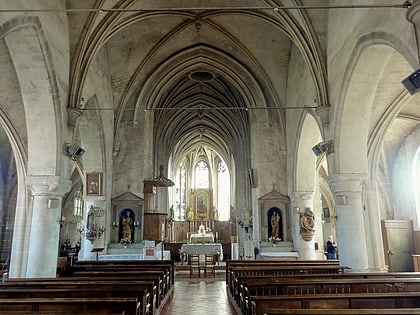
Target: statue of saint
{"x": 127, "y": 223}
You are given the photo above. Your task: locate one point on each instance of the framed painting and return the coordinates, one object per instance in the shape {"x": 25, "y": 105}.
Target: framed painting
{"x": 202, "y": 202}
{"x": 93, "y": 184}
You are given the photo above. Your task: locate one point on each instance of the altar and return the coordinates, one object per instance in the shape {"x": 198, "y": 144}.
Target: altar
{"x": 201, "y": 238}
{"x": 203, "y": 249}
{"x": 203, "y": 235}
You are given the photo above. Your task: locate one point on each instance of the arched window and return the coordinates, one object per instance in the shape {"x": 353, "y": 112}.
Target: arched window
{"x": 180, "y": 195}
{"x": 202, "y": 175}
{"x": 78, "y": 204}
{"x": 199, "y": 176}
{"x": 223, "y": 191}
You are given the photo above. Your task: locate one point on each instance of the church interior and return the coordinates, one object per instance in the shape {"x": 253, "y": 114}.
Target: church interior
{"x": 250, "y": 130}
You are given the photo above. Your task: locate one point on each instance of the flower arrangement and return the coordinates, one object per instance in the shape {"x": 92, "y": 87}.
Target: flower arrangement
{"x": 125, "y": 241}
{"x": 274, "y": 240}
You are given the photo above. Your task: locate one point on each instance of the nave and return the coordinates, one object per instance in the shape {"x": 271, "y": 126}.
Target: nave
{"x": 196, "y": 296}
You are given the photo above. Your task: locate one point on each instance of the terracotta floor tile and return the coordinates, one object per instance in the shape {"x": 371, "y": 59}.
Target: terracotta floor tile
{"x": 197, "y": 296}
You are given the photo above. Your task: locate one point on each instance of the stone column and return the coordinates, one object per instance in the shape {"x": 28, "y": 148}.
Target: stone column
{"x": 47, "y": 193}
{"x": 300, "y": 201}
{"x": 375, "y": 247}
{"x": 351, "y": 234}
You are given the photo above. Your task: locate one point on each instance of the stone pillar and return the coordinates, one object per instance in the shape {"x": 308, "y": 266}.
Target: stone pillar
{"x": 373, "y": 228}
{"x": 302, "y": 200}
{"x": 351, "y": 234}
{"x": 47, "y": 193}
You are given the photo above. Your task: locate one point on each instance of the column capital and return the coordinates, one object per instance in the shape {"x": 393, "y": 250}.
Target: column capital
{"x": 347, "y": 182}
{"x": 323, "y": 112}
{"x": 48, "y": 185}
{"x": 302, "y": 199}
{"x": 73, "y": 116}
{"x": 302, "y": 195}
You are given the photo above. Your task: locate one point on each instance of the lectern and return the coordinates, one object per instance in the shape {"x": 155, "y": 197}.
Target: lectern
{"x": 97, "y": 250}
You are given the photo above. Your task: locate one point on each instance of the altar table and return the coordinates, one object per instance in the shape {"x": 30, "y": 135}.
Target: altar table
{"x": 203, "y": 249}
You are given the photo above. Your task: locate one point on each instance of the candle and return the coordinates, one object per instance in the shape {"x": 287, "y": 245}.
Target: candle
{"x": 163, "y": 231}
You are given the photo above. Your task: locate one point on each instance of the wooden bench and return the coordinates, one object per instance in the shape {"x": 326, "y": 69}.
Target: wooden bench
{"x": 279, "y": 271}
{"x": 81, "y": 306}
{"x": 232, "y": 265}
{"x": 145, "y": 264}
{"x": 359, "y": 311}
{"x": 98, "y": 288}
{"x": 289, "y": 286}
{"x": 160, "y": 279}
{"x": 261, "y": 304}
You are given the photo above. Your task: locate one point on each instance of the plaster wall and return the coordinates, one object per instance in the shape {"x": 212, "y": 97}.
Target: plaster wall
{"x": 402, "y": 180}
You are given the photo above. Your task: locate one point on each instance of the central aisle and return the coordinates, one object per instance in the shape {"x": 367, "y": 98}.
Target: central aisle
{"x": 197, "y": 296}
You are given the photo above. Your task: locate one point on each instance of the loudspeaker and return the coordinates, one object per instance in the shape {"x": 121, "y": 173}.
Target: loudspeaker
{"x": 318, "y": 149}
{"x": 75, "y": 151}
{"x": 323, "y": 147}
{"x": 412, "y": 82}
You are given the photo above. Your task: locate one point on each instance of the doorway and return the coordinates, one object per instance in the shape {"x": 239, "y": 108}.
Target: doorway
{"x": 398, "y": 244}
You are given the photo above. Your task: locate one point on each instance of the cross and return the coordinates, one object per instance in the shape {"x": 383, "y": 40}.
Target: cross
{"x": 274, "y": 186}
{"x": 128, "y": 187}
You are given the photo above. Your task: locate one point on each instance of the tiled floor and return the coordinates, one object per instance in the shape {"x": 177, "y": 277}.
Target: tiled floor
{"x": 197, "y": 296}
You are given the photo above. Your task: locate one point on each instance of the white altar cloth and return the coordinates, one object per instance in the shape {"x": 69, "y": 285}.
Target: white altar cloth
{"x": 203, "y": 249}
{"x": 201, "y": 238}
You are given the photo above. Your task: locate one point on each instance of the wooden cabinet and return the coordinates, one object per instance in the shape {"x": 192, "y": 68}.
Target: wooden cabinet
{"x": 416, "y": 263}
{"x": 154, "y": 226}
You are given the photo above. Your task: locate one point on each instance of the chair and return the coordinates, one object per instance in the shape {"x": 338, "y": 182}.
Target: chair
{"x": 194, "y": 264}
{"x": 209, "y": 265}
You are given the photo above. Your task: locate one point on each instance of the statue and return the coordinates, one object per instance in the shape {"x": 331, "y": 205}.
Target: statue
{"x": 307, "y": 224}
{"x": 127, "y": 223}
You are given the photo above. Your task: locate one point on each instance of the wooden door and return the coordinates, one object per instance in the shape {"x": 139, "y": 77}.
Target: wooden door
{"x": 154, "y": 224}
{"x": 398, "y": 244}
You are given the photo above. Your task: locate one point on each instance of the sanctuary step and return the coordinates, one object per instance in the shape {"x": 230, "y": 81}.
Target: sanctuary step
{"x": 279, "y": 251}
{"x": 279, "y": 247}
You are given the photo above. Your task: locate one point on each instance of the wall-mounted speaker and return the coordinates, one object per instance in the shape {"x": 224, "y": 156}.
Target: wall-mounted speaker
{"x": 75, "y": 151}
{"x": 412, "y": 82}
{"x": 323, "y": 147}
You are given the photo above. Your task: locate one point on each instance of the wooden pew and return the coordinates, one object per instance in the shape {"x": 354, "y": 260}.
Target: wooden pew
{"x": 81, "y": 306}
{"x": 162, "y": 276}
{"x": 359, "y": 311}
{"x": 158, "y": 278}
{"x": 324, "y": 286}
{"x": 146, "y": 264}
{"x": 262, "y": 276}
{"x": 118, "y": 267}
{"x": 101, "y": 279}
{"x": 261, "y": 304}
{"x": 97, "y": 288}
{"x": 279, "y": 271}
{"x": 232, "y": 265}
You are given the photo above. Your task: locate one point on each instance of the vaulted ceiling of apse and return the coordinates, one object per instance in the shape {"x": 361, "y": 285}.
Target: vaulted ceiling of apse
{"x": 202, "y": 106}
